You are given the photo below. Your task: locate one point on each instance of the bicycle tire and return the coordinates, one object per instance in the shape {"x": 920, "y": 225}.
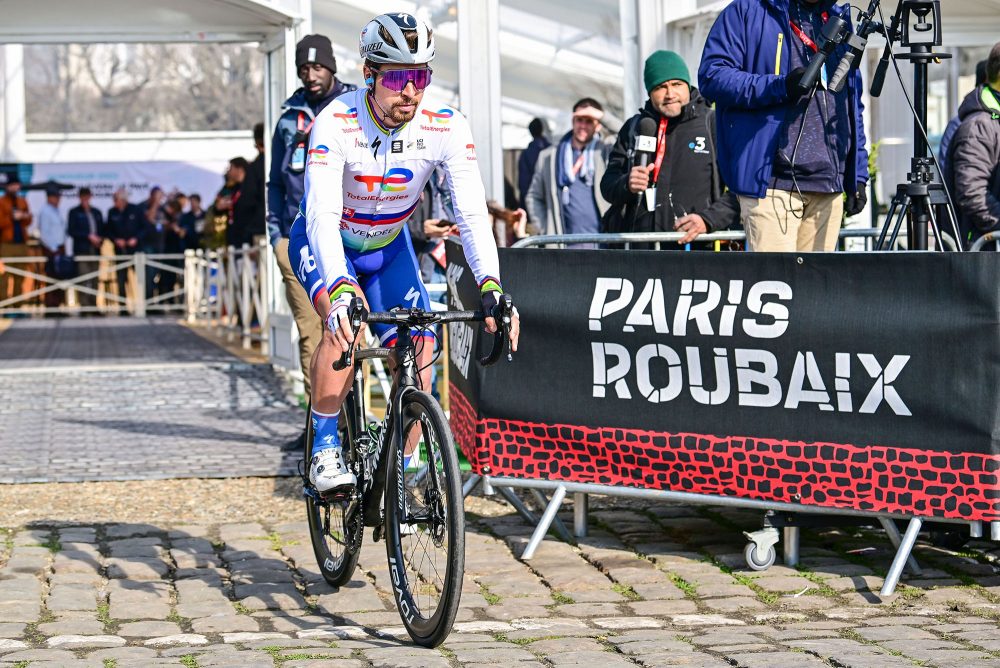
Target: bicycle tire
{"x": 425, "y": 627}
{"x": 336, "y": 564}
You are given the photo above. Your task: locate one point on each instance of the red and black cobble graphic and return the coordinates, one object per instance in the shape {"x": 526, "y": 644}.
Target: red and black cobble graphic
{"x": 883, "y": 479}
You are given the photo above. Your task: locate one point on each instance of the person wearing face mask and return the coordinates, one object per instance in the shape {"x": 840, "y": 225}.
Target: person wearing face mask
{"x": 680, "y": 189}
{"x": 317, "y": 69}
{"x": 796, "y": 158}
{"x": 370, "y": 156}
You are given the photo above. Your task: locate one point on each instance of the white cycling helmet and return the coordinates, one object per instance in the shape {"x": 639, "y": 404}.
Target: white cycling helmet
{"x": 382, "y": 40}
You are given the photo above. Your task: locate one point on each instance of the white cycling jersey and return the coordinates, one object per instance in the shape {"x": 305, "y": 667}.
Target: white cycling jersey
{"x": 365, "y": 180}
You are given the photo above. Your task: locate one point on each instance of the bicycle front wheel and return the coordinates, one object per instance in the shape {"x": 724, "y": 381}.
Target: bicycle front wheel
{"x": 425, "y": 523}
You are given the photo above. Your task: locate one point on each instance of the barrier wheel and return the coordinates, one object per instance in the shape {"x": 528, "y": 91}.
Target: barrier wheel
{"x": 758, "y": 561}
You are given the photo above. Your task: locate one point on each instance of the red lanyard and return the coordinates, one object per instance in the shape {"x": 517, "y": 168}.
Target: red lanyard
{"x": 302, "y": 122}
{"x": 579, "y": 163}
{"x": 804, "y": 37}
{"x": 661, "y": 148}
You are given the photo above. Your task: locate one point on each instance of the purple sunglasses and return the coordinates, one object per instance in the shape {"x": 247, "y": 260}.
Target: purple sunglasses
{"x": 396, "y": 80}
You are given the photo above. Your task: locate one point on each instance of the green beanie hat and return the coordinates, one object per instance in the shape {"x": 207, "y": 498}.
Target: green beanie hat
{"x": 664, "y": 66}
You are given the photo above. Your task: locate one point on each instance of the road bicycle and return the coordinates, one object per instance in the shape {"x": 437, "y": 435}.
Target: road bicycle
{"x": 420, "y": 510}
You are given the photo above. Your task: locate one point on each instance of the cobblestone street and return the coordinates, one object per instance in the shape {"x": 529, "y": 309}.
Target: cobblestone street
{"x": 212, "y": 572}
{"x": 124, "y": 399}
{"x": 654, "y": 586}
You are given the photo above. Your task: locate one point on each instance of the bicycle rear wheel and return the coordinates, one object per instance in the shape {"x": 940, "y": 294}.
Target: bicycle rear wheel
{"x": 335, "y": 532}
{"x": 425, "y": 524}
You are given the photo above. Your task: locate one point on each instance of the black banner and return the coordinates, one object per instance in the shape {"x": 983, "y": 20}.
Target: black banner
{"x": 747, "y": 352}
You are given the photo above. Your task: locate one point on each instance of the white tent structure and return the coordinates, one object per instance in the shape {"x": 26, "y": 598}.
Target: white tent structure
{"x": 502, "y": 61}
{"x": 275, "y": 24}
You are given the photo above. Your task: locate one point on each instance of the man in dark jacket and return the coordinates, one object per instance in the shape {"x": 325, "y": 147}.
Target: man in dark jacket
{"x": 791, "y": 157}
{"x": 681, "y": 190}
{"x": 944, "y": 148}
{"x": 248, "y": 207}
{"x": 86, "y": 227}
{"x": 528, "y": 159}
{"x": 317, "y": 68}
{"x": 975, "y": 155}
{"x": 126, "y": 228}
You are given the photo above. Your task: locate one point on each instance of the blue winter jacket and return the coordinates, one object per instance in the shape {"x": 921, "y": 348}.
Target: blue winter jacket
{"x": 285, "y": 186}
{"x": 743, "y": 70}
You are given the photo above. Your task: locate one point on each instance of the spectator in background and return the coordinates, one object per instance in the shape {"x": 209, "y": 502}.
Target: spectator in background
{"x": 52, "y": 234}
{"x": 181, "y": 199}
{"x": 564, "y": 196}
{"x": 86, "y": 227}
{"x": 529, "y": 158}
{"x": 975, "y": 155}
{"x": 944, "y": 148}
{"x": 15, "y": 219}
{"x": 154, "y": 241}
{"x": 125, "y": 228}
{"x": 240, "y": 216}
{"x": 681, "y": 189}
{"x": 173, "y": 243}
{"x": 317, "y": 69}
{"x": 790, "y": 157}
{"x": 192, "y": 223}
{"x": 217, "y": 217}
{"x": 152, "y": 208}
{"x": 248, "y": 207}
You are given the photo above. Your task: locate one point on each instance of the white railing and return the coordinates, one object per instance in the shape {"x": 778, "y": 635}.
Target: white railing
{"x": 226, "y": 289}
{"x": 36, "y": 285}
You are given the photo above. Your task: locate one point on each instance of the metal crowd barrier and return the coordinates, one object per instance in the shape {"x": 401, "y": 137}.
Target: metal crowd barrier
{"x": 981, "y": 242}
{"x": 657, "y": 238}
{"x": 108, "y": 266}
{"x": 868, "y": 235}
{"x": 764, "y": 539}
{"x": 226, "y": 289}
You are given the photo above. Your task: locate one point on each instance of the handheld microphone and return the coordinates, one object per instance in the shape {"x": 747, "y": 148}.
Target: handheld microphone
{"x": 645, "y": 142}
{"x": 834, "y": 33}
{"x": 856, "y": 45}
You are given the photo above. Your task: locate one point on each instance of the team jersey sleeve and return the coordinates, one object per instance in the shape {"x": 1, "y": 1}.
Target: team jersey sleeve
{"x": 469, "y": 199}
{"x": 324, "y": 203}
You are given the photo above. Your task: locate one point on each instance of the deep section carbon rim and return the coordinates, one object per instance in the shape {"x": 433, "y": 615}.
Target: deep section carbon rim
{"x": 426, "y": 537}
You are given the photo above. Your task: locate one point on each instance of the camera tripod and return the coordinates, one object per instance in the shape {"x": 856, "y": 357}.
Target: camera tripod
{"x": 921, "y": 200}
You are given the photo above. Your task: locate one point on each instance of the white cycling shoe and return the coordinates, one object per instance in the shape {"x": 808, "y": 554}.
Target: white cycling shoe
{"x": 328, "y": 470}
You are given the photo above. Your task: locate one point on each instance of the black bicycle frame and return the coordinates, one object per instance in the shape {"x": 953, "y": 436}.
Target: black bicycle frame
{"x": 375, "y": 469}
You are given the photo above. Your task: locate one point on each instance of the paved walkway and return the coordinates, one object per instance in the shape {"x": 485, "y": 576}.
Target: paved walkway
{"x": 654, "y": 587}
{"x": 126, "y": 399}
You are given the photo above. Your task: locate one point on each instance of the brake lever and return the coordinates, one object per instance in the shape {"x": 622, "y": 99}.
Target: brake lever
{"x": 356, "y": 313}
{"x": 506, "y": 319}
{"x": 501, "y": 338}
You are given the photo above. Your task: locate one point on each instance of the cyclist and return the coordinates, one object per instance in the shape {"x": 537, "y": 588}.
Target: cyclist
{"x": 371, "y": 152}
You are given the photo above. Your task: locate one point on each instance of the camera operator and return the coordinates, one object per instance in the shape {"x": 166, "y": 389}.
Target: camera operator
{"x": 790, "y": 155}
{"x": 680, "y": 189}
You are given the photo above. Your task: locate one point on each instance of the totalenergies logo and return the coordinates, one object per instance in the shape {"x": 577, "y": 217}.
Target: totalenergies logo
{"x": 320, "y": 150}
{"x": 439, "y": 116}
{"x": 350, "y": 118}
{"x": 393, "y": 181}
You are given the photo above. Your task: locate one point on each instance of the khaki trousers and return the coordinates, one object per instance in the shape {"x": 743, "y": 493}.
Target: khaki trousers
{"x": 785, "y": 222}
{"x": 306, "y": 319}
